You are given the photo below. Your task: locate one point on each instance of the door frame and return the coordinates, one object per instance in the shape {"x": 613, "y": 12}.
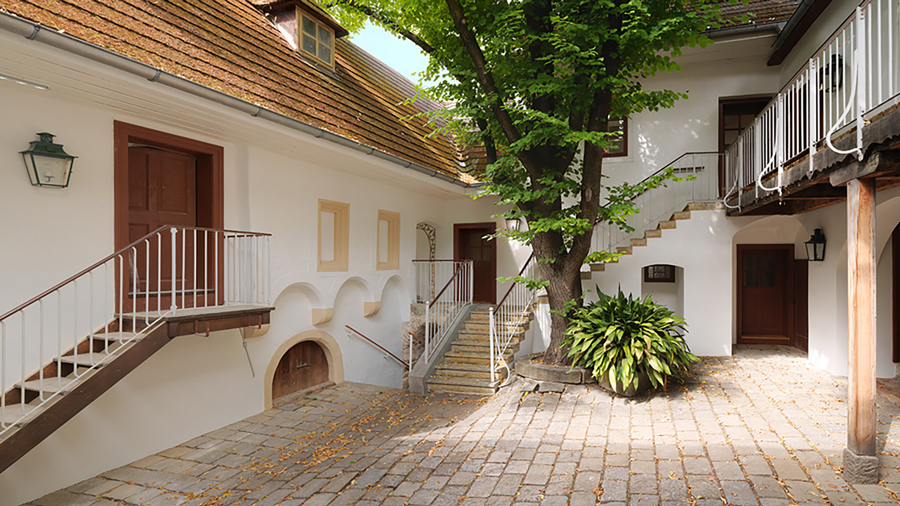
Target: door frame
{"x": 210, "y": 188}
{"x": 492, "y": 226}
{"x": 725, "y": 101}
{"x": 788, "y": 284}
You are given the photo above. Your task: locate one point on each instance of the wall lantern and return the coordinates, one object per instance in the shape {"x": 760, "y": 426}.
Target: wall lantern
{"x": 47, "y": 163}
{"x": 513, "y": 224}
{"x": 815, "y": 246}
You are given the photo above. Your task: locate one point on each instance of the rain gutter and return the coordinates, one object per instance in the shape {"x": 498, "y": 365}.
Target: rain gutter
{"x": 37, "y": 32}
{"x": 748, "y": 29}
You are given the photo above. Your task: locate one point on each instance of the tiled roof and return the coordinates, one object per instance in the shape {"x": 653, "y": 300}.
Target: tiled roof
{"x": 229, "y": 45}
{"x": 762, "y": 11}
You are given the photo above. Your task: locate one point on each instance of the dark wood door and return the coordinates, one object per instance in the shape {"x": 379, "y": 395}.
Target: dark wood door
{"x": 766, "y": 308}
{"x": 162, "y": 190}
{"x": 303, "y": 366}
{"x": 471, "y": 243}
{"x": 801, "y": 304}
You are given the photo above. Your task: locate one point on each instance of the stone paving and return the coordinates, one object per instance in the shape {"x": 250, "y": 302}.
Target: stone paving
{"x": 761, "y": 428}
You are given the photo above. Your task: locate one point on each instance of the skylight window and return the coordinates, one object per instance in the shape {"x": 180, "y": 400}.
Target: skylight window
{"x": 316, "y": 40}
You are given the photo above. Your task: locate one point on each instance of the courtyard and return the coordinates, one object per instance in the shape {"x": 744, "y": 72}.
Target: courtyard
{"x": 760, "y": 428}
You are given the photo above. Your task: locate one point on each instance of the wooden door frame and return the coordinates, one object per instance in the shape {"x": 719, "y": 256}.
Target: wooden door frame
{"x": 492, "y": 226}
{"x": 210, "y": 188}
{"x": 210, "y": 175}
{"x": 789, "y": 291}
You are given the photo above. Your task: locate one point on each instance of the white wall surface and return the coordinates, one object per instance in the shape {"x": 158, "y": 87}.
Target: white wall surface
{"x": 273, "y": 179}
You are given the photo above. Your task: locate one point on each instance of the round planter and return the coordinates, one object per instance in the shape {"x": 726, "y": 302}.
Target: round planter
{"x": 644, "y": 385}
{"x": 527, "y": 367}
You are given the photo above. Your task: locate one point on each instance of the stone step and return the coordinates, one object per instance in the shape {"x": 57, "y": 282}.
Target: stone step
{"x": 586, "y": 274}
{"x": 705, "y": 206}
{"x": 478, "y": 347}
{"x": 484, "y": 338}
{"x": 479, "y": 371}
{"x": 639, "y": 242}
{"x": 598, "y": 267}
{"x": 466, "y": 357}
{"x": 484, "y": 316}
{"x": 667, "y": 225}
{"x": 484, "y": 326}
{"x": 656, "y": 233}
{"x": 461, "y": 385}
{"x": 682, "y": 215}
{"x": 625, "y": 250}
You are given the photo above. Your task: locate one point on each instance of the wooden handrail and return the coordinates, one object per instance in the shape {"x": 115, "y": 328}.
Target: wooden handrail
{"x": 360, "y": 334}
{"x": 455, "y": 273}
{"x": 522, "y": 271}
{"x": 107, "y": 259}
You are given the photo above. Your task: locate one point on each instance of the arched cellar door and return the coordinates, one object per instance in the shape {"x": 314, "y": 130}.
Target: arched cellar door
{"x": 303, "y": 366}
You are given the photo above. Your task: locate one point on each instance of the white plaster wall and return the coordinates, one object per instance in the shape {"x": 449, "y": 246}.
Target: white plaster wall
{"x": 273, "y": 178}
{"x": 670, "y": 295}
{"x": 700, "y": 246}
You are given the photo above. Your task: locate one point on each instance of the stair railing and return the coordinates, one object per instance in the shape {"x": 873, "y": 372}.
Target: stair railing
{"x": 93, "y": 315}
{"x": 505, "y": 320}
{"x": 850, "y": 78}
{"x": 700, "y": 171}
{"x": 351, "y": 332}
{"x": 442, "y": 313}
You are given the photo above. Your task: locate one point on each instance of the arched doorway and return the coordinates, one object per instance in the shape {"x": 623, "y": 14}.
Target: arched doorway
{"x": 303, "y": 366}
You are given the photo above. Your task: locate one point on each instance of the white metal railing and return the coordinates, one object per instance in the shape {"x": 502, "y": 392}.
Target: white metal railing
{"x": 442, "y": 312}
{"x": 508, "y": 317}
{"x": 52, "y": 340}
{"x": 701, "y": 184}
{"x": 850, "y": 78}
{"x": 431, "y": 275}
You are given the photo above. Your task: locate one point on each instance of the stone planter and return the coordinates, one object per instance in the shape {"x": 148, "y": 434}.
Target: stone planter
{"x": 525, "y": 366}
{"x": 644, "y": 385}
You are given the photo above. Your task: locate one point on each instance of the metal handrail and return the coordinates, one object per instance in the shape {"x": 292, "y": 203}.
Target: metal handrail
{"x": 382, "y": 348}
{"x": 669, "y": 166}
{"x": 452, "y": 279}
{"x": 521, "y": 271}
{"x": 442, "y": 312}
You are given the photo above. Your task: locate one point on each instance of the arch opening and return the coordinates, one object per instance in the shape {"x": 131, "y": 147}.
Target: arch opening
{"x": 324, "y": 365}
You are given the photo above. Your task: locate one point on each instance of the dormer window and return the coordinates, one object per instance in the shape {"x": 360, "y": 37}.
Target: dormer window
{"x": 306, "y": 27}
{"x": 317, "y": 40}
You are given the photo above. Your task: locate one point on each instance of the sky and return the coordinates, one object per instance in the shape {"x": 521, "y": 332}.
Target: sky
{"x": 401, "y": 55}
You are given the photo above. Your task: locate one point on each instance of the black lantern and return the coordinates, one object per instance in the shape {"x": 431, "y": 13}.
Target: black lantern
{"x": 47, "y": 163}
{"x": 815, "y": 246}
{"x": 513, "y": 224}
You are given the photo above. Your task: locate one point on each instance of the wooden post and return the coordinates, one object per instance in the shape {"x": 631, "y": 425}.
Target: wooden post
{"x": 860, "y": 463}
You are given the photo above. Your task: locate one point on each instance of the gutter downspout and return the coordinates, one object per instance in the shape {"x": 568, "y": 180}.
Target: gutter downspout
{"x": 36, "y": 32}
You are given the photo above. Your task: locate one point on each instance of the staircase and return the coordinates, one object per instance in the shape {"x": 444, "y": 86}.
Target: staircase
{"x": 466, "y": 366}
{"x": 64, "y": 348}
{"x": 670, "y": 224}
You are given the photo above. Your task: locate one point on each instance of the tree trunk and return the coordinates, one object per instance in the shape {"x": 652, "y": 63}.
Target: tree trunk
{"x": 565, "y": 286}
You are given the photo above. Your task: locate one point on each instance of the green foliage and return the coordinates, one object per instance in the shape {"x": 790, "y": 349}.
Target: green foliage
{"x": 620, "y": 337}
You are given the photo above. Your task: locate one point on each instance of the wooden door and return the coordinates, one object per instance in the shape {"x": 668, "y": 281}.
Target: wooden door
{"x": 801, "y": 304}
{"x": 303, "y": 366}
{"x": 765, "y": 303}
{"x": 162, "y": 190}
{"x": 470, "y": 244}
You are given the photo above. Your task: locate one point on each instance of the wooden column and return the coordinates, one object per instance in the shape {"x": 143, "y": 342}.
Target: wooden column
{"x": 861, "y": 338}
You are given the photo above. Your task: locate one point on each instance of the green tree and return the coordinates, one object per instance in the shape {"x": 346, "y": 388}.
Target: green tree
{"x": 534, "y": 82}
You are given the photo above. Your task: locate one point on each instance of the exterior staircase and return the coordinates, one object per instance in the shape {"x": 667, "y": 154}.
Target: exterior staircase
{"x": 466, "y": 368}
{"x": 656, "y": 233}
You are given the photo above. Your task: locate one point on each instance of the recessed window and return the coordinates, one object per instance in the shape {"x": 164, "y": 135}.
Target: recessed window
{"x": 619, "y": 142}
{"x": 659, "y": 274}
{"x": 388, "y": 241}
{"x": 334, "y": 236}
{"x": 316, "y": 40}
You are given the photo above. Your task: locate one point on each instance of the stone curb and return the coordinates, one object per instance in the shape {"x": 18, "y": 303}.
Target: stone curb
{"x": 559, "y": 374}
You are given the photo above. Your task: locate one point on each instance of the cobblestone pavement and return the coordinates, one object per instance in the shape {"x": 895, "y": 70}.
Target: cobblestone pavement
{"x": 762, "y": 427}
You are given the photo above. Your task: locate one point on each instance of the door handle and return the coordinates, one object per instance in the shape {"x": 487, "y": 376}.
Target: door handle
{"x": 301, "y": 366}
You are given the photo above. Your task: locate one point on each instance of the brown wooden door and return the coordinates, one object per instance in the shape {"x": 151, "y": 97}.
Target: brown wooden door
{"x": 303, "y": 366}
{"x": 801, "y": 304}
{"x": 766, "y": 308}
{"x": 162, "y": 190}
{"x": 470, "y": 244}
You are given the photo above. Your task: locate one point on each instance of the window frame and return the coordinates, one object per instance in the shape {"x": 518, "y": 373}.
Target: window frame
{"x": 393, "y": 241}
{"x": 301, "y": 15}
{"x": 624, "y": 152}
{"x": 340, "y": 261}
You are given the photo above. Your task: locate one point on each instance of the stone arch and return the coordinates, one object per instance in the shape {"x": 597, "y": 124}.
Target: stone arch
{"x": 430, "y": 234}
{"x": 669, "y": 294}
{"x": 323, "y": 339}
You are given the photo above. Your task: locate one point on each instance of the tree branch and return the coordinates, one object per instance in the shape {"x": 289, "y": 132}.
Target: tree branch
{"x": 388, "y": 22}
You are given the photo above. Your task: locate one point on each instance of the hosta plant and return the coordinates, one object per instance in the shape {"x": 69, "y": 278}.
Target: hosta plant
{"x": 621, "y": 339}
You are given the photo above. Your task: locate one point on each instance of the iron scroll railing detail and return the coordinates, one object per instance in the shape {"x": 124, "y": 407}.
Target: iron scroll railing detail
{"x": 93, "y": 316}
{"x": 508, "y": 317}
{"x": 853, "y": 76}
